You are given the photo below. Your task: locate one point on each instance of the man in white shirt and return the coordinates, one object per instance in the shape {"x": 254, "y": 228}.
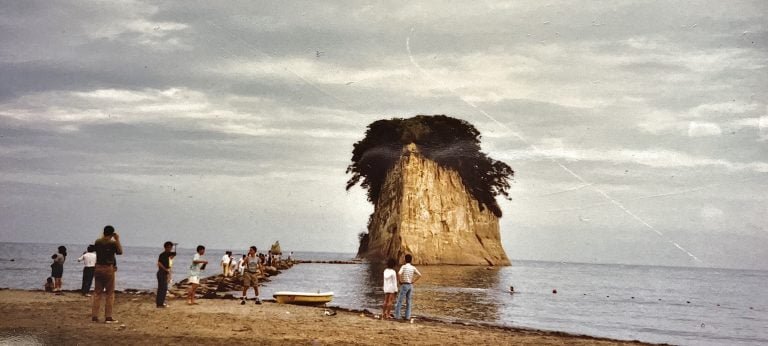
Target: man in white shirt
{"x": 225, "y": 263}
{"x": 408, "y": 276}
{"x": 89, "y": 262}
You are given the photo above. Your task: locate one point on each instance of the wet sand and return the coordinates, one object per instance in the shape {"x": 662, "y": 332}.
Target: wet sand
{"x": 39, "y": 317}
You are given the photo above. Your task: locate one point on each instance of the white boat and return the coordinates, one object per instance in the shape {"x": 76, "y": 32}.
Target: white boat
{"x": 303, "y": 298}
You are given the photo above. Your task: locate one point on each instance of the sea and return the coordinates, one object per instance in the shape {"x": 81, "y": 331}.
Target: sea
{"x": 675, "y": 305}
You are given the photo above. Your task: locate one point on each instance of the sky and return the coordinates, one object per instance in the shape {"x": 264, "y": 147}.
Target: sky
{"x": 638, "y": 131}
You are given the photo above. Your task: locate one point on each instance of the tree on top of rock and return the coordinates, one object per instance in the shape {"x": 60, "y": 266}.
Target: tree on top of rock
{"x": 452, "y": 143}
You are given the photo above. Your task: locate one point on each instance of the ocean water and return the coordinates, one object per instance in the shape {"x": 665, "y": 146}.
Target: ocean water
{"x": 687, "y": 306}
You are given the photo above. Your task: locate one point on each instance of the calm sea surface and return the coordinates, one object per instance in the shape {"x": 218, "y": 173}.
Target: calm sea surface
{"x": 689, "y": 306}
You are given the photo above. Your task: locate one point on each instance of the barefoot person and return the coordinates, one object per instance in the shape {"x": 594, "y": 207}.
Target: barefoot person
{"x": 163, "y": 273}
{"x": 251, "y": 274}
{"x": 89, "y": 265}
{"x": 407, "y": 279}
{"x": 198, "y": 265}
{"x": 106, "y": 248}
{"x": 390, "y": 288}
{"x": 57, "y": 268}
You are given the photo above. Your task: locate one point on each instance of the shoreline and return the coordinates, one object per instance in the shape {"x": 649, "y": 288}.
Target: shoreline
{"x": 42, "y": 316}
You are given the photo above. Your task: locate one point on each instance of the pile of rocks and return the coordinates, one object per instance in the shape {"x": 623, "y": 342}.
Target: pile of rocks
{"x": 220, "y": 287}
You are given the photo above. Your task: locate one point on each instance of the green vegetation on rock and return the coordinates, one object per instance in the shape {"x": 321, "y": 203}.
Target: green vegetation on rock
{"x": 452, "y": 143}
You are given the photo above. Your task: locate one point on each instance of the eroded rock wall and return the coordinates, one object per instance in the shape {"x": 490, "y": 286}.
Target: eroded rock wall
{"x": 426, "y": 211}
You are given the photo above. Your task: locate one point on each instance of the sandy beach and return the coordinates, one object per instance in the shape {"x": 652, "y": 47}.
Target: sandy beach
{"x": 38, "y": 317}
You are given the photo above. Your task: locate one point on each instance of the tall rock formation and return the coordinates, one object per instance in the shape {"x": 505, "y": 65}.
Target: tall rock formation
{"x": 425, "y": 210}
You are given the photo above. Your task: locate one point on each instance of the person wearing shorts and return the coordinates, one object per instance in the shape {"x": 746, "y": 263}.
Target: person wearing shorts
{"x": 251, "y": 275}
{"x": 197, "y": 267}
{"x": 57, "y": 268}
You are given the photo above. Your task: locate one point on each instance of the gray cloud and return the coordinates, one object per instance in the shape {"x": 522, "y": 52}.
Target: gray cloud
{"x": 197, "y": 119}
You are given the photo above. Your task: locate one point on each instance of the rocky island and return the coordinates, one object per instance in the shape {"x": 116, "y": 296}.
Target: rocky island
{"x": 433, "y": 192}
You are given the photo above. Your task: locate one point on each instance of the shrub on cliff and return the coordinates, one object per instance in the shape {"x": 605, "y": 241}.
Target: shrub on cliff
{"x": 451, "y": 142}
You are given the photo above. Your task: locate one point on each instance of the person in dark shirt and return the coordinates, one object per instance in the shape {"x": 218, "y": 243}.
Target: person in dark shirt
{"x": 106, "y": 248}
{"x": 57, "y": 268}
{"x": 163, "y": 272}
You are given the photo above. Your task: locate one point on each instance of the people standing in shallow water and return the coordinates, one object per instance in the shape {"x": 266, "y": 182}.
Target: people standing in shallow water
{"x": 106, "y": 265}
{"x": 89, "y": 265}
{"x": 197, "y": 267}
{"x": 163, "y": 273}
{"x": 408, "y": 276}
{"x": 57, "y": 268}
{"x": 390, "y": 288}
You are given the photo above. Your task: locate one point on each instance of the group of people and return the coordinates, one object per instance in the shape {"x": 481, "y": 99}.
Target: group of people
{"x": 405, "y": 277}
{"x": 100, "y": 266}
{"x": 53, "y": 283}
{"x": 250, "y": 268}
{"x": 233, "y": 267}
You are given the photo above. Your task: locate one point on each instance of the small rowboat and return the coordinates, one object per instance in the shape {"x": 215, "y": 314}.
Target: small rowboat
{"x": 303, "y": 298}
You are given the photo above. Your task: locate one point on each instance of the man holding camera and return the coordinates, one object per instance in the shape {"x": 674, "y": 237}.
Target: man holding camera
{"x": 106, "y": 248}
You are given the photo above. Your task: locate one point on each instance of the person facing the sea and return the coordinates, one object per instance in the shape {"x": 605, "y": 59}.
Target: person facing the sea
{"x": 197, "y": 267}
{"x": 232, "y": 266}
{"x": 225, "y": 263}
{"x": 241, "y": 265}
{"x": 57, "y": 268}
{"x": 89, "y": 265}
{"x": 106, "y": 265}
{"x": 407, "y": 279}
{"x": 251, "y": 274}
{"x": 390, "y": 288}
{"x": 163, "y": 273}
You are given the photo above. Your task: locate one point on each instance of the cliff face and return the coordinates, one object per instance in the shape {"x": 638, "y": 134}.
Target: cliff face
{"x": 425, "y": 210}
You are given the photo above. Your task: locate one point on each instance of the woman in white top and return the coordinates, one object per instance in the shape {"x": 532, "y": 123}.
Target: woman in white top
{"x": 390, "y": 288}
{"x": 198, "y": 265}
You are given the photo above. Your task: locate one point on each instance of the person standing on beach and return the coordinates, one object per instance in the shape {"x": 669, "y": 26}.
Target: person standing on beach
{"x": 163, "y": 273}
{"x": 197, "y": 267}
{"x": 225, "y": 263}
{"x": 390, "y": 288}
{"x": 89, "y": 265}
{"x": 57, "y": 268}
{"x": 241, "y": 265}
{"x": 106, "y": 265}
{"x": 251, "y": 274}
{"x": 232, "y": 266}
{"x": 407, "y": 279}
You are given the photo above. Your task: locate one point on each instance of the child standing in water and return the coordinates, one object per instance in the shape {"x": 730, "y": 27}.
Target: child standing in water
{"x": 390, "y": 288}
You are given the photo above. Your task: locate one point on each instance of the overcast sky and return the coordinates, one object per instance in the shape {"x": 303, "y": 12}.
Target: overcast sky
{"x": 638, "y": 130}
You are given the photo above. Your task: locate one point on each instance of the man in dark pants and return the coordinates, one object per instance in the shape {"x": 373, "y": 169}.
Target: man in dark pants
{"x": 163, "y": 271}
{"x": 89, "y": 261}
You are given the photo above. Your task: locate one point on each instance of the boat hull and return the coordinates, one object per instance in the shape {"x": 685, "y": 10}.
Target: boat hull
{"x": 303, "y": 298}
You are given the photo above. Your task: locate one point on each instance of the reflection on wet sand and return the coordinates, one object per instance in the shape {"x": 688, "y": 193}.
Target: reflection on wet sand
{"x": 456, "y": 292}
